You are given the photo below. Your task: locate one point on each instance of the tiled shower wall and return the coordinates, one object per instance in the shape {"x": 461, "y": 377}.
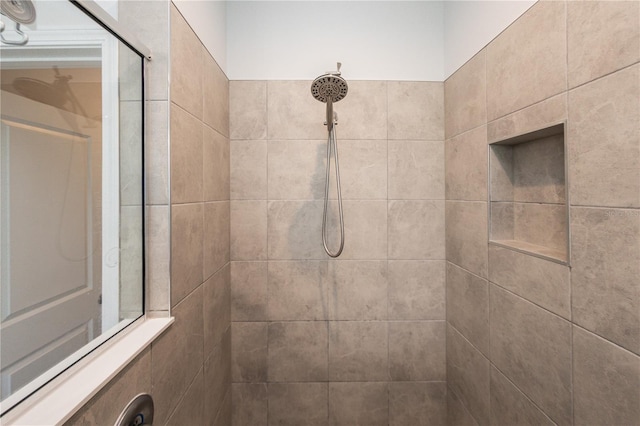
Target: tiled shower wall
{"x": 530, "y": 341}
{"x": 187, "y": 370}
{"x": 360, "y": 339}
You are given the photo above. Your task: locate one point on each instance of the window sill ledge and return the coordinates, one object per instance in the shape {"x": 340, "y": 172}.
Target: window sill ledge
{"x": 56, "y": 402}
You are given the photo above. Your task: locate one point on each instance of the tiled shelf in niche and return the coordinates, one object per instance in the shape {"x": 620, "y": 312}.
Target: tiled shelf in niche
{"x": 528, "y": 194}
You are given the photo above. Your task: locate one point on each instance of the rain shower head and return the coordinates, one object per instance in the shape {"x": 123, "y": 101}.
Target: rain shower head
{"x": 329, "y": 87}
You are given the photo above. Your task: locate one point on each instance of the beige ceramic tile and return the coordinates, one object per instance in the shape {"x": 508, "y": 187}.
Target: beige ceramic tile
{"x": 248, "y": 170}
{"x": 509, "y": 406}
{"x": 467, "y": 235}
{"x": 186, "y": 249}
{"x": 215, "y": 165}
{"x": 365, "y": 227}
{"x": 465, "y": 97}
{"x": 532, "y": 347}
{"x": 292, "y": 113}
{"x": 191, "y": 407}
{"x": 158, "y": 253}
{"x": 417, "y": 351}
{"x": 358, "y": 351}
{"x": 538, "y": 171}
{"x": 294, "y": 230}
{"x": 216, "y": 236}
{"x": 357, "y": 290}
{"x": 501, "y": 173}
{"x": 294, "y": 404}
{"x": 363, "y": 113}
{"x": 606, "y": 379}
{"x": 468, "y": 306}
{"x": 298, "y": 351}
{"x": 416, "y": 290}
{"x": 541, "y": 224}
{"x": 535, "y": 117}
{"x": 605, "y": 246}
{"x": 217, "y": 379}
{"x": 502, "y": 221}
{"x": 604, "y": 141}
{"x": 249, "y": 404}
{"x": 216, "y": 95}
{"x": 602, "y": 37}
{"x": 157, "y": 152}
{"x": 248, "y": 109}
{"x": 177, "y": 355}
{"x": 416, "y": 110}
{"x": 249, "y": 291}
{"x": 249, "y": 343}
{"x": 457, "y": 413}
{"x": 297, "y": 291}
{"x": 186, "y": 65}
{"x": 130, "y": 146}
{"x": 544, "y": 283}
{"x": 416, "y": 170}
{"x": 468, "y": 375}
{"x": 417, "y": 404}
{"x": 466, "y": 166}
{"x": 358, "y": 404}
{"x": 416, "y": 230}
{"x": 186, "y": 157}
{"x": 217, "y": 309}
{"x": 296, "y": 169}
{"x": 225, "y": 413}
{"x": 363, "y": 170}
{"x": 248, "y": 230}
{"x": 527, "y": 62}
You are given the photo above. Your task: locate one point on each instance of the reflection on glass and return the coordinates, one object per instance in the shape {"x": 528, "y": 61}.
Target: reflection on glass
{"x": 71, "y": 218}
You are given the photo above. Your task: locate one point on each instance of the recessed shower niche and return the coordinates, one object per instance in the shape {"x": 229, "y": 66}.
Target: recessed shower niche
{"x": 528, "y": 194}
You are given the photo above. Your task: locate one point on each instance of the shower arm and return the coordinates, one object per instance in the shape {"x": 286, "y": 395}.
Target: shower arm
{"x": 24, "y": 38}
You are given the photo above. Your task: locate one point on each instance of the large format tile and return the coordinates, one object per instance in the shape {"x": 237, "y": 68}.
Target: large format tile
{"x": 416, "y": 290}
{"x": 249, "y": 404}
{"x": 417, "y": 351}
{"x": 248, "y": 109}
{"x": 606, "y": 380}
{"x": 468, "y": 376}
{"x": 416, "y": 110}
{"x": 186, "y": 65}
{"x": 177, "y": 355}
{"x": 363, "y": 170}
{"x": 294, "y": 230}
{"x": 465, "y": 97}
{"x": 541, "y": 224}
{"x": 186, "y": 249}
{"x": 466, "y": 166}
{"x": 296, "y": 169}
{"x": 217, "y": 379}
{"x": 363, "y": 113}
{"x": 357, "y": 290}
{"x": 295, "y": 404}
{"x": 509, "y": 406}
{"x": 417, "y": 403}
{"x": 297, "y": 291}
{"x": 292, "y": 113}
{"x": 215, "y": 244}
{"x": 158, "y": 257}
{"x": 466, "y": 234}
{"x": 186, "y": 157}
{"x": 527, "y": 62}
{"x": 604, "y": 135}
{"x": 156, "y": 154}
{"x": 225, "y": 413}
{"x": 191, "y": 407}
{"x": 606, "y": 266}
{"x": 468, "y": 306}
{"x": 416, "y": 170}
{"x": 248, "y": 179}
{"x": 249, "y": 346}
{"x": 358, "y": 404}
{"x": 298, "y": 351}
{"x": 457, "y": 413}
{"x": 416, "y": 229}
{"x": 249, "y": 284}
{"x": 216, "y": 165}
{"x": 358, "y": 351}
{"x": 215, "y": 92}
{"x": 365, "y": 229}
{"x": 532, "y": 347}
{"x": 543, "y": 282}
{"x": 602, "y": 37}
{"x": 217, "y": 303}
{"x": 538, "y": 171}
{"x": 248, "y": 231}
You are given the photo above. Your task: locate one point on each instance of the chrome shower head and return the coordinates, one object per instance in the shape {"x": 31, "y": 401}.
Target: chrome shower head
{"x": 21, "y": 11}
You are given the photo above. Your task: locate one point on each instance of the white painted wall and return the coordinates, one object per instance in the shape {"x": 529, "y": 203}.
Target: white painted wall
{"x": 471, "y": 25}
{"x": 209, "y": 21}
{"x": 375, "y": 40}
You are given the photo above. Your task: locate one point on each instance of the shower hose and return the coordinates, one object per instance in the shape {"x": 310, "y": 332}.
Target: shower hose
{"x": 332, "y": 145}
